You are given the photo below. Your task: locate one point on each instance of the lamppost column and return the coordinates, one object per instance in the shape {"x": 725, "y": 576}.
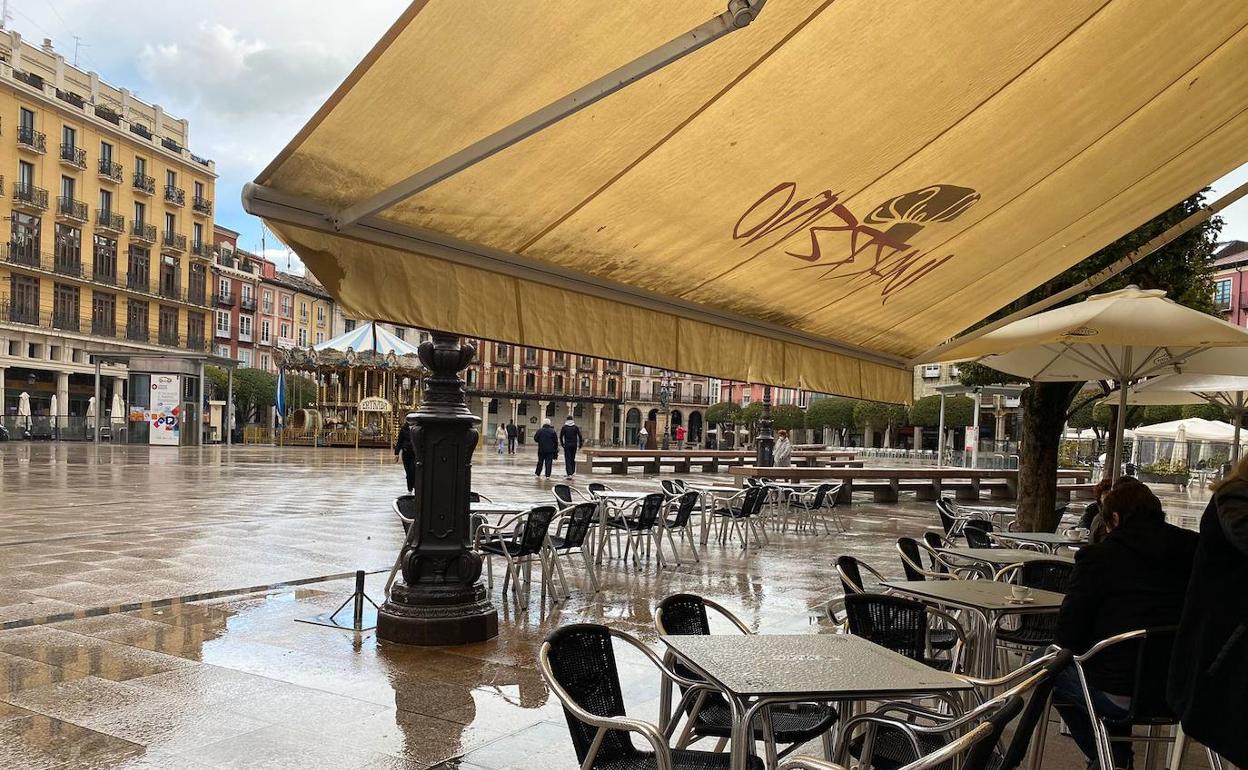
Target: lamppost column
{"x": 765, "y": 442}
{"x": 440, "y": 599}
{"x": 595, "y": 430}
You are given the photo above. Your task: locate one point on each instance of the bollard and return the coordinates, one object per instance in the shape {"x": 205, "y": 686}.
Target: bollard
{"x": 359, "y": 599}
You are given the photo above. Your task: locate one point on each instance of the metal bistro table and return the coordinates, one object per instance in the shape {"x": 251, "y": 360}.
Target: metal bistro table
{"x": 708, "y": 493}
{"x": 1050, "y": 541}
{"x": 603, "y": 497}
{"x": 757, "y": 671}
{"x": 482, "y": 511}
{"x": 988, "y": 599}
{"x": 1001, "y": 557}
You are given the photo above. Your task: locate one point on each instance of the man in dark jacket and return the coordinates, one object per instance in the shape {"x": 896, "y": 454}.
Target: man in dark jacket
{"x": 405, "y": 447}
{"x": 1134, "y": 579}
{"x": 512, "y": 432}
{"x": 570, "y": 439}
{"x": 547, "y": 447}
{"x": 1208, "y": 685}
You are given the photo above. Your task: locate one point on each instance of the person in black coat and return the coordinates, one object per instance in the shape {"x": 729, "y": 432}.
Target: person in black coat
{"x": 1208, "y": 685}
{"x": 1135, "y": 578}
{"x": 570, "y": 439}
{"x": 547, "y": 447}
{"x": 512, "y": 432}
{"x": 405, "y": 447}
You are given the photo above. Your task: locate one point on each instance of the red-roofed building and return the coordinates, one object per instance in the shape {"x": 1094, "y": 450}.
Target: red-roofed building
{"x": 1230, "y": 294}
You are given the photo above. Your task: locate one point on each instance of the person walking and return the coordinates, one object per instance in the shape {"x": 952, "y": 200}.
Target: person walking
{"x": 500, "y": 436}
{"x": 783, "y": 452}
{"x": 571, "y": 440}
{"x": 680, "y": 436}
{"x": 643, "y": 438}
{"x": 547, "y": 447}
{"x": 1208, "y": 684}
{"x": 512, "y": 432}
{"x": 405, "y": 447}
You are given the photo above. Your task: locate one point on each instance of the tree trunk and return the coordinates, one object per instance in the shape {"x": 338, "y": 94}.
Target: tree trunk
{"x": 1111, "y": 442}
{"x": 1045, "y": 405}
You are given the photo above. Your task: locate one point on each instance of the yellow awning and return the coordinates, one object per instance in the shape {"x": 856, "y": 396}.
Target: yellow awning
{"x": 811, "y": 200}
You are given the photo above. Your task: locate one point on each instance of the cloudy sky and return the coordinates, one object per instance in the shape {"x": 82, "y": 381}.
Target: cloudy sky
{"x": 247, "y": 74}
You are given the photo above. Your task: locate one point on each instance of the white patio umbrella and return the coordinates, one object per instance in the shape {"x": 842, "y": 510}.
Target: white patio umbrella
{"x": 90, "y": 413}
{"x": 119, "y": 407}
{"x": 52, "y": 410}
{"x": 1178, "y": 452}
{"x": 1228, "y": 392}
{"x": 23, "y": 410}
{"x": 1123, "y": 336}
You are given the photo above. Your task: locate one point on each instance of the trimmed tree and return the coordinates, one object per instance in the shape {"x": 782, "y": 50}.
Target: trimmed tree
{"x": 833, "y": 413}
{"x": 876, "y": 414}
{"x": 959, "y": 412}
{"x": 1182, "y": 268}
{"x": 787, "y": 417}
{"x": 723, "y": 412}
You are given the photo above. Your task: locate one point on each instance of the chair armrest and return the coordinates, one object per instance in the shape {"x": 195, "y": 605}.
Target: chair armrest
{"x": 951, "y": 621}
{"x": 656, "y": 660}
{"x": 808, "y": 763}
{"x": 1118, "y": 639}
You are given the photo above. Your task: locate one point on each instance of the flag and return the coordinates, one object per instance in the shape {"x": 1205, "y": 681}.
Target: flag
{"x": 280, "y": 403}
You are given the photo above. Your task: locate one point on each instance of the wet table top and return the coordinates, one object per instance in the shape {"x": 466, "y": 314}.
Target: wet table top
{"x": 499, "y": 507}
{"x": 985, "y": 595}
{"x": 1041, "y": 538}
{"x": 999, "y": 557}
{"x": 611, "y": 495}
{"x": 821, "y": 666}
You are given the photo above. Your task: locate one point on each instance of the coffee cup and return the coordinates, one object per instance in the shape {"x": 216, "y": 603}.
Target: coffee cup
{"x": 1020, "y": 593}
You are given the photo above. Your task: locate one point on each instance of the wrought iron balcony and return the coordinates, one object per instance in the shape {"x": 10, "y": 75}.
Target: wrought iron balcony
{"x": 69, "y": 208}
{"x": 23, "y": 254}
{"x": 201, "y": 205}
{"x": 30, "y": 197}
{"x": 65, "y": 321}
{"x": 23, "y": 314}
{"x": 67, "y": 264}
{"x": 196, "y": 342}
{"x": 170, "y": 290}
{"x": 144, "y": 183}
{"x": 202, "y": 249}
{"x": 111, "y": 171}
{"x": 143, "y": 232}
{"x": 196, "y": 295}
{"x": 224, "y": 298}
{"x": 169, "y": 337}
{"x": 103, "y": 276}
{"x": 72, "y": 155}
{"x": 175, "y": 195}
{"x": 107, "y": 113}
{"x": 247, "y": 303}
{"x": 137, "y": 333}
{"x": 138, "y": 283}
{"x": 107, "y": 220}
{"x": 172, "y": 242}
{"x": 30, "y": 139}
{"x": 103, "y": 327}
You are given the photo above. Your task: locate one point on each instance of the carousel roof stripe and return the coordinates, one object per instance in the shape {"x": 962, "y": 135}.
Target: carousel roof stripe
{"x": 362, "y": 338}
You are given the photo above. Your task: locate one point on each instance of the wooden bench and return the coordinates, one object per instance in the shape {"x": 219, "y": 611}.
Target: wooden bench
{"x": 620, "y": 461}
{"x": 886, "y": 483}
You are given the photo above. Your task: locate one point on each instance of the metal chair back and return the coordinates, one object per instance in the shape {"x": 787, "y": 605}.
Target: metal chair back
{"x": 911, "y": 558}
{"x": 650, "y": 510}
{"x": 582, "y": 661}
{"x": 982, "y": 754}
{"x": 563, "y": 494}
{"x": 531, "y": 536}
{"x": 976, "y": 533}
{"x": 1036, "y": 709}
{"x": 851, "y": 576}
{"x": 596, "y": 487}
{"x": 579, "y": 521}
{"x": 1152, "y": 666}
{"x": 405, "y": 509}
{"x": 893, "y": 622}
{"x": 935, "y": 542}
{"x": 684, "y": 509}
{"x": 755, "y": 499}
{"x": 947, "y": 517}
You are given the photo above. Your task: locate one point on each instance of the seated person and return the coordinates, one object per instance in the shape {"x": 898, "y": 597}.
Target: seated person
{"x": 1093, "y": 508}
{"x": 1135, "y": 578}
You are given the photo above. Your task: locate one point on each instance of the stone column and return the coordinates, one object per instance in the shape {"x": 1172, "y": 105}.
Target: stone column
{"x": 3, "y": 369}
{"x": 541, "y": 412}
{"x": 596, "y": 433}
{"x": 515, "y": 406}
{"x": 62, "y": 401}
{"x": 440, "y": 599}
{"x": 485, "y": 420}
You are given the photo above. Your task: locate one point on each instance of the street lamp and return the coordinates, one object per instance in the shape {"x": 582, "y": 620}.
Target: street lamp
{"x": 665, "y": 399}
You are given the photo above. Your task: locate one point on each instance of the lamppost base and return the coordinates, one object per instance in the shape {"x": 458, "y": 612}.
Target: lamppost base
{"x": 437, "y": 615}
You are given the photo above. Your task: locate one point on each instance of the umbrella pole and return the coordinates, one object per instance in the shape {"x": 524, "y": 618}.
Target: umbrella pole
{"x": 1121, "y": 428}
{"x": 95, "y": 426}
{"x": 1238, "y": 414}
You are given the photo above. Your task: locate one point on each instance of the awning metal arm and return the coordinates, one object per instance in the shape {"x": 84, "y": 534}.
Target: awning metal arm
{"x": 1203, "y": 214}
{"x": 739, "y": 14}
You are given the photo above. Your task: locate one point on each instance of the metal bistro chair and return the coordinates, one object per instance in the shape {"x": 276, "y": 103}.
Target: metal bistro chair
{"x": 739, "y": 513}
{"x": 578, "y": 663}
{"x": 673, "y": 488}
{"x": 683, "y": 506}
{"x": 405, "y": 508}
{"x": 942, "y": 758}
{"x": 596, "y": 487}
{"x": 803, "y": 506}
{"x": 567, "y": 495}
{"x": 520, "y": 540}
{"x": 709, "y": 715}
{"x": 903, "y": 626}
{"x": 1148, "y": 698}
{"x": 850, "y": 571}
{"x": 571, "y": 531}
{"x": 1033, "y": 630}
{"x": 641, "y": 524}
{"x": 978, "y": 534}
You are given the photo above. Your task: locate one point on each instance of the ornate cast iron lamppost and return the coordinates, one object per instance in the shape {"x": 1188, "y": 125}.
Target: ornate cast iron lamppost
{"x": 765, "y": 442}
{"x": 440, "y": 599}
{"x": 665, "y": 401}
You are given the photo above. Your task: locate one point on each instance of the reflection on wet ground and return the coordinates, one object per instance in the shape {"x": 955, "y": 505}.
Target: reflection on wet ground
{"x": 148, "y": 599}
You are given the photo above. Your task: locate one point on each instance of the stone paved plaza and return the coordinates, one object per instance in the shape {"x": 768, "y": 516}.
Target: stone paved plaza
{"x": 148, "y": 598}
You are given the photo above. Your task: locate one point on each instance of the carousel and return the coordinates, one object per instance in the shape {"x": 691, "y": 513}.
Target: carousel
{"x": 366, "y": 380}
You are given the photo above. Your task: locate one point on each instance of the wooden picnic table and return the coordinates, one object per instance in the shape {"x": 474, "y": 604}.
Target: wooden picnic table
{"x": 618, "y": 461}
{"x": 927, "y": 483}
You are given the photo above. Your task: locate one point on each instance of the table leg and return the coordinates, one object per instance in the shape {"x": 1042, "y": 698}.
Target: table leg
{"x": 602, "y": 531}
{"x": 706, "y": 532}
{"x": 738, "y": 746}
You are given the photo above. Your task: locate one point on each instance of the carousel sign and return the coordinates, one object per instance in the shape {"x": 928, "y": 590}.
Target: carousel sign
{"x": 374, "y": 404}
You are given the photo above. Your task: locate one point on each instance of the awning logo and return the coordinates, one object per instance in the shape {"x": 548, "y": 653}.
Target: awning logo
{"x": 876, "y": 250}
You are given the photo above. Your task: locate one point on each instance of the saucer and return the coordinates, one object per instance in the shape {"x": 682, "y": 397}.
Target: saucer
{"x": 1024, "y": 600}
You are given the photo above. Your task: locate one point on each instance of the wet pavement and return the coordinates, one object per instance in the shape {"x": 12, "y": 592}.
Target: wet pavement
{"x": 148, "y": 600}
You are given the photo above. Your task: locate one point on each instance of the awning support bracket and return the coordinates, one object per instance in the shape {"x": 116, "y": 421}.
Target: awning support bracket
{"x": 738, "y": 15}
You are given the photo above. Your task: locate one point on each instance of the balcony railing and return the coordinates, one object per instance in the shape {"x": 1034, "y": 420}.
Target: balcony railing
{"x": 22, "y": 314}
{"x": 70, "y": 208}
{"x": 72, "y": 155}
{"x": 247, "y": 303}
{"x": 65, "y": 321}
{"x": 30, "y": 139}
{"x": 172, "y": 241}
{"x": 30, "y": 196}
{"x": 196, "y": 295}
{"x": 196, "y": 342}
{"x": 67, "y": 264}
{"x": 144, "y": 183}
{"x": 201, "y": 205}
{"x": 109, "y": 114}
{"x": 103, "y": 327}
{"x": 169, "y": 290}
{"x": 23, "y": 254}
{"x": 71, "y": 98}
{"x": 169, "y": 337}
{"x": 143, "y": 232}
{"x": 202, "y": 249}
{"x": 110, "y": 170}
{"x": 29, "y": 78}
{"x": 175, "y": 195}
{"x": 107, "y": 220}
{"x": 137, "y": 333}
{"x": 103, "y": 276}
{"x": 224, "y": 298}
{"x": 138, "y": 282}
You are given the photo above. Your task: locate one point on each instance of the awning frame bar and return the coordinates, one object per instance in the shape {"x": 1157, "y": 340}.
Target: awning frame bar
{"x": 738, "y": 15}
{"x": 293, "y": 210}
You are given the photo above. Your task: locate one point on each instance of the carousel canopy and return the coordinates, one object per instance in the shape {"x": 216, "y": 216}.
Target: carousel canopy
{"x": 369, "y": 337}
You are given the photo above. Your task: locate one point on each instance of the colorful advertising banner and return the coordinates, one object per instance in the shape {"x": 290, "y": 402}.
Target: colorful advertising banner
{"x": 165, "y": 411}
